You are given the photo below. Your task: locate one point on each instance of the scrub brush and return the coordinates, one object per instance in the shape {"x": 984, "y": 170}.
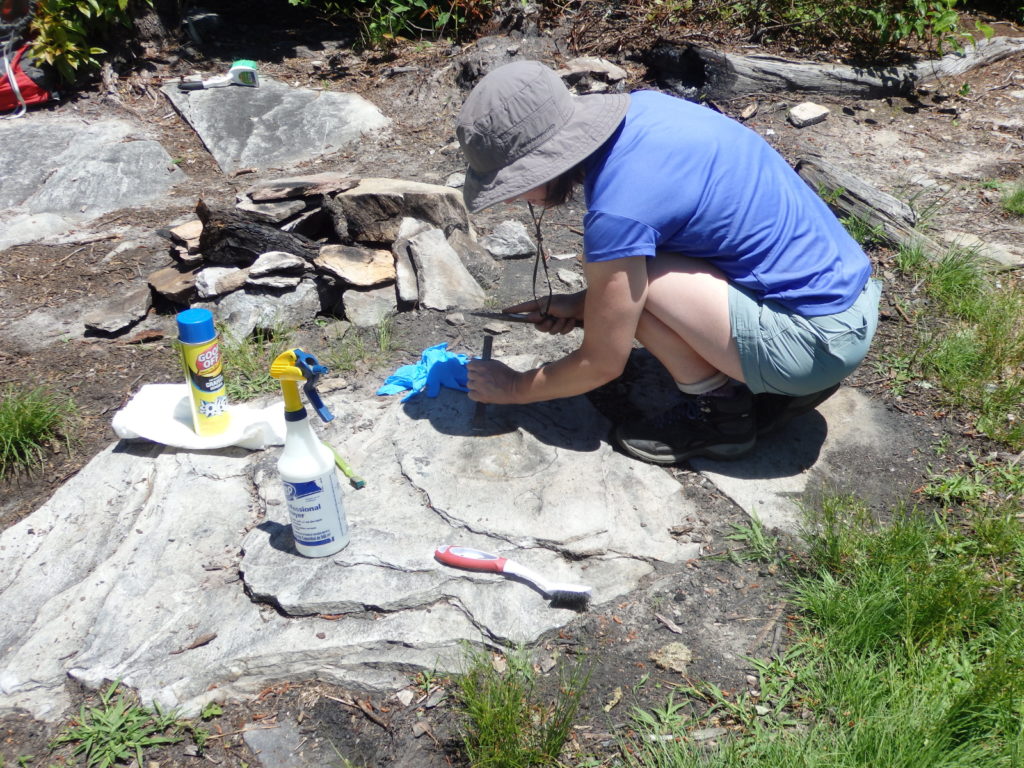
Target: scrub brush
{"x": 574, "y": 596}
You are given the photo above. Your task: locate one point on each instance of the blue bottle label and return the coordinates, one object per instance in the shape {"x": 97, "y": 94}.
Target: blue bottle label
{"x": 316, "y": 512}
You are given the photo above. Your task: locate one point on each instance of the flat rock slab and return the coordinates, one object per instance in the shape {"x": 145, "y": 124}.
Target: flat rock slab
{"x": 850, "y": 443}
{"x": 274, "y": 125}
{"x": 175, "y": 573}
{"x": 61, "y": 171}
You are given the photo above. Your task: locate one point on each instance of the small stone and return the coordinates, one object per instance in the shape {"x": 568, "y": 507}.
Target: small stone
{"x": 497, "y": 328}
{"x": 807, "y": 113}
{"x": 751, "y": 680}
{"x": 455, "y": 318}
{"x": 276, "y": 261}
{"x": 420, "y": 728}
{"x": 216, "y": 281}
{"x": 569, "y": 278}
{"x": 404, "y": 697}
{"x": 509, "y": 240}
{"x": 275, "y": 281}
{"x": 272, "y": 212}
{"x": 174, "y": 284}
{"x": 456, "y": 180}
{"x": 188, "y": 234}
{"x": 674, "y": 656}
{"x": 704, "y": 734}
{"x": 120, "y": 312}
{"x": 361, "y": 267}
{"x": 761, "y": 709}
{"x": 321, "y": 635}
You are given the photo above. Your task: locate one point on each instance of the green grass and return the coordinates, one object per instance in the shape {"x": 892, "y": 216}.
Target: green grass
{"x": 247, "y": 362}
{"x": 1013, "y": 199}
{"x": 758, "y": 544}
{"x": 909, "y": 645}
{"x": 30, "y": 420}
{"x": 361, "y": 347}
{"x": 971, "y": 342}
{"x": 119, "y": 731}
{"x": 507, "y": 721}
{"x": 989, "y": 481}
{"x": 867, "y": 235}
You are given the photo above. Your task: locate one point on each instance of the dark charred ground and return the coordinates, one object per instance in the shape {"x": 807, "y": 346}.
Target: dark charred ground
{"x": 417, "y": 87}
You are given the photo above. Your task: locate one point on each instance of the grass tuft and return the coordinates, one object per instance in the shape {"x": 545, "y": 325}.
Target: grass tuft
{"x": 247, "y": 362}
{"x": 29, "y": 420}
{"x": 508, "y": 723}
{"x": 1013, "y": 199}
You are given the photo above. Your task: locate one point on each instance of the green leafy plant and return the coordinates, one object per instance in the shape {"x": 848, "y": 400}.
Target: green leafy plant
{"x": 507, "y": 723}
{"x": 382, "y": 22}
{"x": 69, "y": 34}
{"x": 118, "y": 730}
{"x": 29, "y": 420}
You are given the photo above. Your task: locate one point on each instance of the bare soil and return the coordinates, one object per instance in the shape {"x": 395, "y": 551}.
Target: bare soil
{"x": 418, "y": 88}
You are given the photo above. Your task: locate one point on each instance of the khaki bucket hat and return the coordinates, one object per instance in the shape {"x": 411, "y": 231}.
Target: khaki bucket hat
{"x": 521, "y": 127}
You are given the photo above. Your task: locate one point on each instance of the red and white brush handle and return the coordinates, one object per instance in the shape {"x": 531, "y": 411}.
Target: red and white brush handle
{"x": 470, "y": 559}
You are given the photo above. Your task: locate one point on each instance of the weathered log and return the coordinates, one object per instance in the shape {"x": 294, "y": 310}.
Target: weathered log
{"x": 852, "y": 197}
{"x": 232, "y": 237}
{"x": 688, "y": 69}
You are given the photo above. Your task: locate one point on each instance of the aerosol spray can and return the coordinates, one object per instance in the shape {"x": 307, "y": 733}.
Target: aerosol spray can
{"x": 307, "y": 466}
{"x": 204, "y": 372}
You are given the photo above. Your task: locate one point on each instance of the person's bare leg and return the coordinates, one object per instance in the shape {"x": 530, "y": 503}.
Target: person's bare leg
{"x": 685, "y": 323}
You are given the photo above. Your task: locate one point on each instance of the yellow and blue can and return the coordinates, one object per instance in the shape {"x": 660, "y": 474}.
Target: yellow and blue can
{"x": 204, "y": 371}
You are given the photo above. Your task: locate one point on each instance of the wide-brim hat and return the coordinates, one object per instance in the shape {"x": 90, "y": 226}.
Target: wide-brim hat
{"x": 520, "y": 127}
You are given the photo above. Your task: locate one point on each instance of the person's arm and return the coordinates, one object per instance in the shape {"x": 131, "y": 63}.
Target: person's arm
{"x": 615, "y": 298}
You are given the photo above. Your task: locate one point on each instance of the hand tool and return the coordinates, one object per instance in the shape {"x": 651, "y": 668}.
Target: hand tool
{"x": 242, "y": 72}
{"x": 356, "y": 481}
{"x": 512, "y": 317}
{"x": 515, "y": 317}
{"x": 562, "y": 595}
{"x": 480, "y": 412}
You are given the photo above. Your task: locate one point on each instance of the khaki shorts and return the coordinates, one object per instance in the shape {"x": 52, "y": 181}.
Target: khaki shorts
{"x": 788, "y": 354}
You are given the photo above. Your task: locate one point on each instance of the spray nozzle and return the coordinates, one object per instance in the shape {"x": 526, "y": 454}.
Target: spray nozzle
{"x": 293, "y": 366}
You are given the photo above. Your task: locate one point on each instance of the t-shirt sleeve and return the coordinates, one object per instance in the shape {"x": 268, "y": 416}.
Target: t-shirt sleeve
{"x": 607, "y": 236}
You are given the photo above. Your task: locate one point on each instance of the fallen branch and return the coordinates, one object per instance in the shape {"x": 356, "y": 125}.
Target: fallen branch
{"x": 850, "y": 196}
{"x": 725, "y": 75}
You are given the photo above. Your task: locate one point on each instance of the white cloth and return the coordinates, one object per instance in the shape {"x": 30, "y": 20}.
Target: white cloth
{"x": 162, "y": 413}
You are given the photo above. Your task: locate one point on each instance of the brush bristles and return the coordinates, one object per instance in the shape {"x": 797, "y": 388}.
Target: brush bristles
{"x": 569, "y": 599}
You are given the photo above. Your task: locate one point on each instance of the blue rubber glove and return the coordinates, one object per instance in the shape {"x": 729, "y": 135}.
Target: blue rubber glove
{"x": 437, "y": 368}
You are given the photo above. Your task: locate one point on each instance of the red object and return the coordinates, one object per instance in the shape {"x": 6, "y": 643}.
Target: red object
{"x": 470, "y": 559}
{"x": 13, "y": 9}
{"x": 31, "y": 92}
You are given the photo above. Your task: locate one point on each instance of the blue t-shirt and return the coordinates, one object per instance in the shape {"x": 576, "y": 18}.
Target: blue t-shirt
{"x": 679, "y": 177}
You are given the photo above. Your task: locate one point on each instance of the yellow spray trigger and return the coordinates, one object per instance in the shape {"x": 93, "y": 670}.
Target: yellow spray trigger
{"x": 293, "y": 366}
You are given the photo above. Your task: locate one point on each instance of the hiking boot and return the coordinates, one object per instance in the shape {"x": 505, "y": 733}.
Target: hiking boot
{"x": 712, "y": 427}
{"x": 772, "y": 411}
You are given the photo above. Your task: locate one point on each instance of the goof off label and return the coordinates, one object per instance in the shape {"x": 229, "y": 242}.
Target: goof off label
{"x": 206, "y": 382}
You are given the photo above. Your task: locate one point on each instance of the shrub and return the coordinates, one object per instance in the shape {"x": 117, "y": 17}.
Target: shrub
{"x": 381, "y": 22}
{"x": 69, "y": 33}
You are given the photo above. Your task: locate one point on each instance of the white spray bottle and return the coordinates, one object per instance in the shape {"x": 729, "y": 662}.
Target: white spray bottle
{"x": 307, "y": 467}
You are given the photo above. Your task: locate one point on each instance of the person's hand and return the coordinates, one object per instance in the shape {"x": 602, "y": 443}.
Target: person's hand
{"x": 491, "y": 382}
{"x": 564, "y": 312}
